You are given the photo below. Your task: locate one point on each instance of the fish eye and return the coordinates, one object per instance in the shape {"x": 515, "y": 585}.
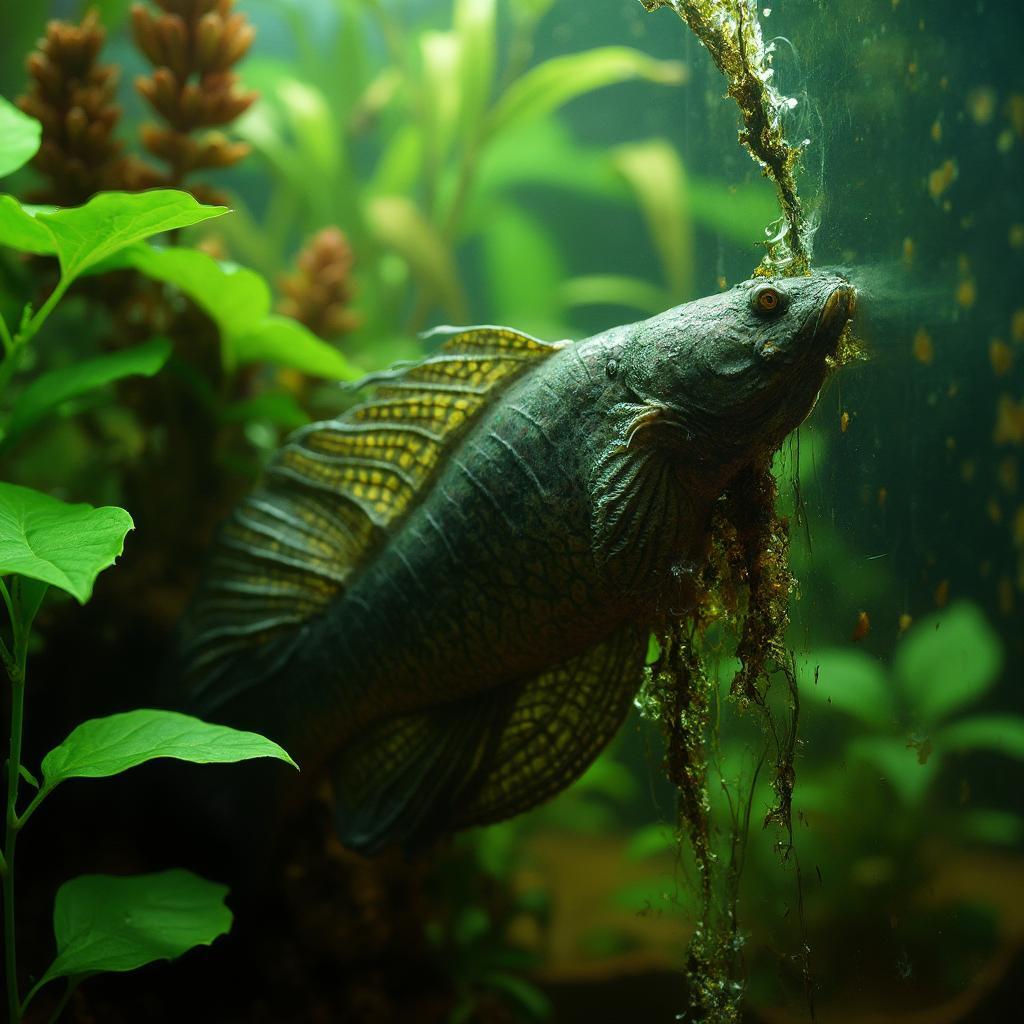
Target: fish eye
{"x": 767, "y": 301}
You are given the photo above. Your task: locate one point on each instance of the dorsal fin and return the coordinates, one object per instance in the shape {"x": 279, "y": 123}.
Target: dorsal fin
{"x": 330, "y": 496}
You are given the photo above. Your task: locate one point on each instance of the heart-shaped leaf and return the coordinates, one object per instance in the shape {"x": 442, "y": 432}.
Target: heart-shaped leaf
{"x": 86, "y": 235}
{"x": 111, "y": 923}
{"x": 64, "y": 545}
{"x": 107, "y": 746}
{"x": 19, "y": 137}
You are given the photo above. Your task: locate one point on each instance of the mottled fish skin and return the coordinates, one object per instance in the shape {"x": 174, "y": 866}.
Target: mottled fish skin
{"x": 523, "y": 572}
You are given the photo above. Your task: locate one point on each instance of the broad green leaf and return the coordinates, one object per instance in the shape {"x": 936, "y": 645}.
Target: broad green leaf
{"x": 553, "y": 83}
{"x": 997, "y": 828}
{"x": 651, "y": 841}
{"x": 86, "y": 235}
{"x": 898, "y": 763}
{"x": 234, "y": 297}
{"x": 474, "y": 22}
{"x": 107, "y": 746}
{"x": 613, "y": 290}
{"x": 56, "y": 386}
{"x": 397, "y": 223}
{"x": 656, "y": 176}
{"x": 64, "y": 545}
{"x": 19, "y": 137}
{"x": 119, "y": 923}
{"x": 278, "y": 407}
{"x": 20, "y": 230}
{"x": 285, "y": 342}
{"x": 851, "y": 681}
{"x": 1002, "y": 733}
{"x": 947, "y": 661}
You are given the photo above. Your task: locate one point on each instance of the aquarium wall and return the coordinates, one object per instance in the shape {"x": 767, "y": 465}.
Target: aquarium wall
{"x": 560, "y": 167}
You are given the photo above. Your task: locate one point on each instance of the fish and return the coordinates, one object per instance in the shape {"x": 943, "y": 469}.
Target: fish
{"x": 441, "y": 599}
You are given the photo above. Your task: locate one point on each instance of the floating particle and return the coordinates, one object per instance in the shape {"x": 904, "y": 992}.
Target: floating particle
{"x": 722, "y": 283}
{"x": 967, "y": 292}
{"x": 942, "y": 594}
{"x": 1009, "y": 427}
{"x": 968, "y": 470}
{"x": 1015, "y": 112}
{"x": 1015, "y": 235}
{"x": 1004, "y": 590}
{"x": 951, "y": 444}
{"x": 924, "y": 749}
{"x": 994, "y": 510}
{"x": 1004, "y": 141}
{"x": 1017, "y": 325}
{"x": 1006, "y": 473}
{"x": 1018, "y": 527}
{"x": 883, "y": 496}
{"x": 981, "y": 104}
{"x": 908, "y": 250}
{"x": 844, "y": 422}
{"x": 905, "y": 623}
{"x": 936, "y": 130}
{"x": 1000, "y": 355}
{"x": 924, "y": 348}
{"x": 941, "y": 178}
{"x": 862, "y": 627}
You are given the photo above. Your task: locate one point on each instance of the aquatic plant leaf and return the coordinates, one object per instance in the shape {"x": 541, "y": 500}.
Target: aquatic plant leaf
{"x": 277, "y": 407}
{"x": 86, "y": 235}
{"x": 19, "y": 137}
{"x": 739, "y": 212}
{"x": 656, "y": 175}
{"x": 947, "y": 661}
{"x": 850, "y": 681}
{"x": 397, "y": 223}
{"x": 899, "y": 765}
{"x": 108, "y": 746}
{"x": 119, "y": 923}
{"x": 440, "y": 92}
{"x": 651, "y": 841}
{"x": 57, "y": 386}
{"x": 613, "y": 290}
{"x": 1003, "y": 734}
{"x": 530, "y": 999}
{"x": 286, "y": 342}
{"x": 997, "y": 828}
{"x": 558, "y": 80}
{"x": 20, "y": 230}
{"x": 64, "y": 545}
{"x": 474, "y": 23}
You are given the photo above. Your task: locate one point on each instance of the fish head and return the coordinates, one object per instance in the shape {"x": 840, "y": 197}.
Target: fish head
{"x": 734, "y": 373}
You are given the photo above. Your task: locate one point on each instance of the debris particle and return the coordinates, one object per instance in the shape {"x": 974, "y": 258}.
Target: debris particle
{"x": 942, "y": 594}
{"x": 1017, "y": 324}
{"x": 905, "y": 623}
{"x": 908, "y": 250}
{"x": 1000, "y": 355}
{"x": 936, "y": 130}
{"x": 941, "y": 178}
{"x": 924, "y": 348}
{"x": 844, "y": 422}
{"x": 966, "y": 292}
{"x": 1009, "y": 427}
{"x": 862, "y": 628}
{"x": 981, "y": 104}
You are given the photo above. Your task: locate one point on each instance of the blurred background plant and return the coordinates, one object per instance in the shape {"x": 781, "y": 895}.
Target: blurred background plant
{"x": 563, "y": 166}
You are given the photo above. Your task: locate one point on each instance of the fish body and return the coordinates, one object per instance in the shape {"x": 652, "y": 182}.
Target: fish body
{"x": 443, "y": 597}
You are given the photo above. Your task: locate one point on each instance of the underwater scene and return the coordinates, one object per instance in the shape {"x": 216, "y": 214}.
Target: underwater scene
{"x": 512, "y": 511}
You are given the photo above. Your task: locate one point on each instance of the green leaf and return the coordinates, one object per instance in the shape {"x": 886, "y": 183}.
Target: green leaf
{"x": 234, "y": 297}
{"x": 996, "y": 828}
{"x": 64, "y": 545}
{"x": 19, "y": 137}
{"x": 278, "y": 407}
{"x": 286, "y": 342}
{"x": 397, "y": 223}
{"x": 656, "y": 176}
{"x": 947, "y": 661}
{"x": 107, "y": 746}
{"x": 112, "y": 923}
{"x": 20, "y": 230}
{"x": 613, "y": 290}
{"x": 474, "y": 22}
{"x": 1003, "y": 734}
{"x": 49, "y": 390}
{"x": 554, "y": 82}
{"x": 898, "y": 763}
{"x": 108, "y": 222}
{"x": 739, "y": 212}
{"x": 851, "y": 681}
{"x": 651, "y": 841}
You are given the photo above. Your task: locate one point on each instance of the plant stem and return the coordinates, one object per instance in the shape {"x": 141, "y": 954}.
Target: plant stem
{"x": 20, "y": 341}
{"x": 16, "y": 671}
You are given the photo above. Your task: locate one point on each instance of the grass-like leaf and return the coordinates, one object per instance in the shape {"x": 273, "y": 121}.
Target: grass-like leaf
{"x": 64, "y": 545}
{"x": 19, "y": 137}
{"x": 108, "y": 746}
{"x": 120, "y": 923}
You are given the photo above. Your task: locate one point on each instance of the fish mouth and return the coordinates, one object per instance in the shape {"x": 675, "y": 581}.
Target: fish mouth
{"x": 838, "y": 308}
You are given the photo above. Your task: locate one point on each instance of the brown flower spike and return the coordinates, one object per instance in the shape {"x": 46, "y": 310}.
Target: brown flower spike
{"x": 319, "y": 292}
{"x": 193, "y": 45}
{"x": 72, "y": 95}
